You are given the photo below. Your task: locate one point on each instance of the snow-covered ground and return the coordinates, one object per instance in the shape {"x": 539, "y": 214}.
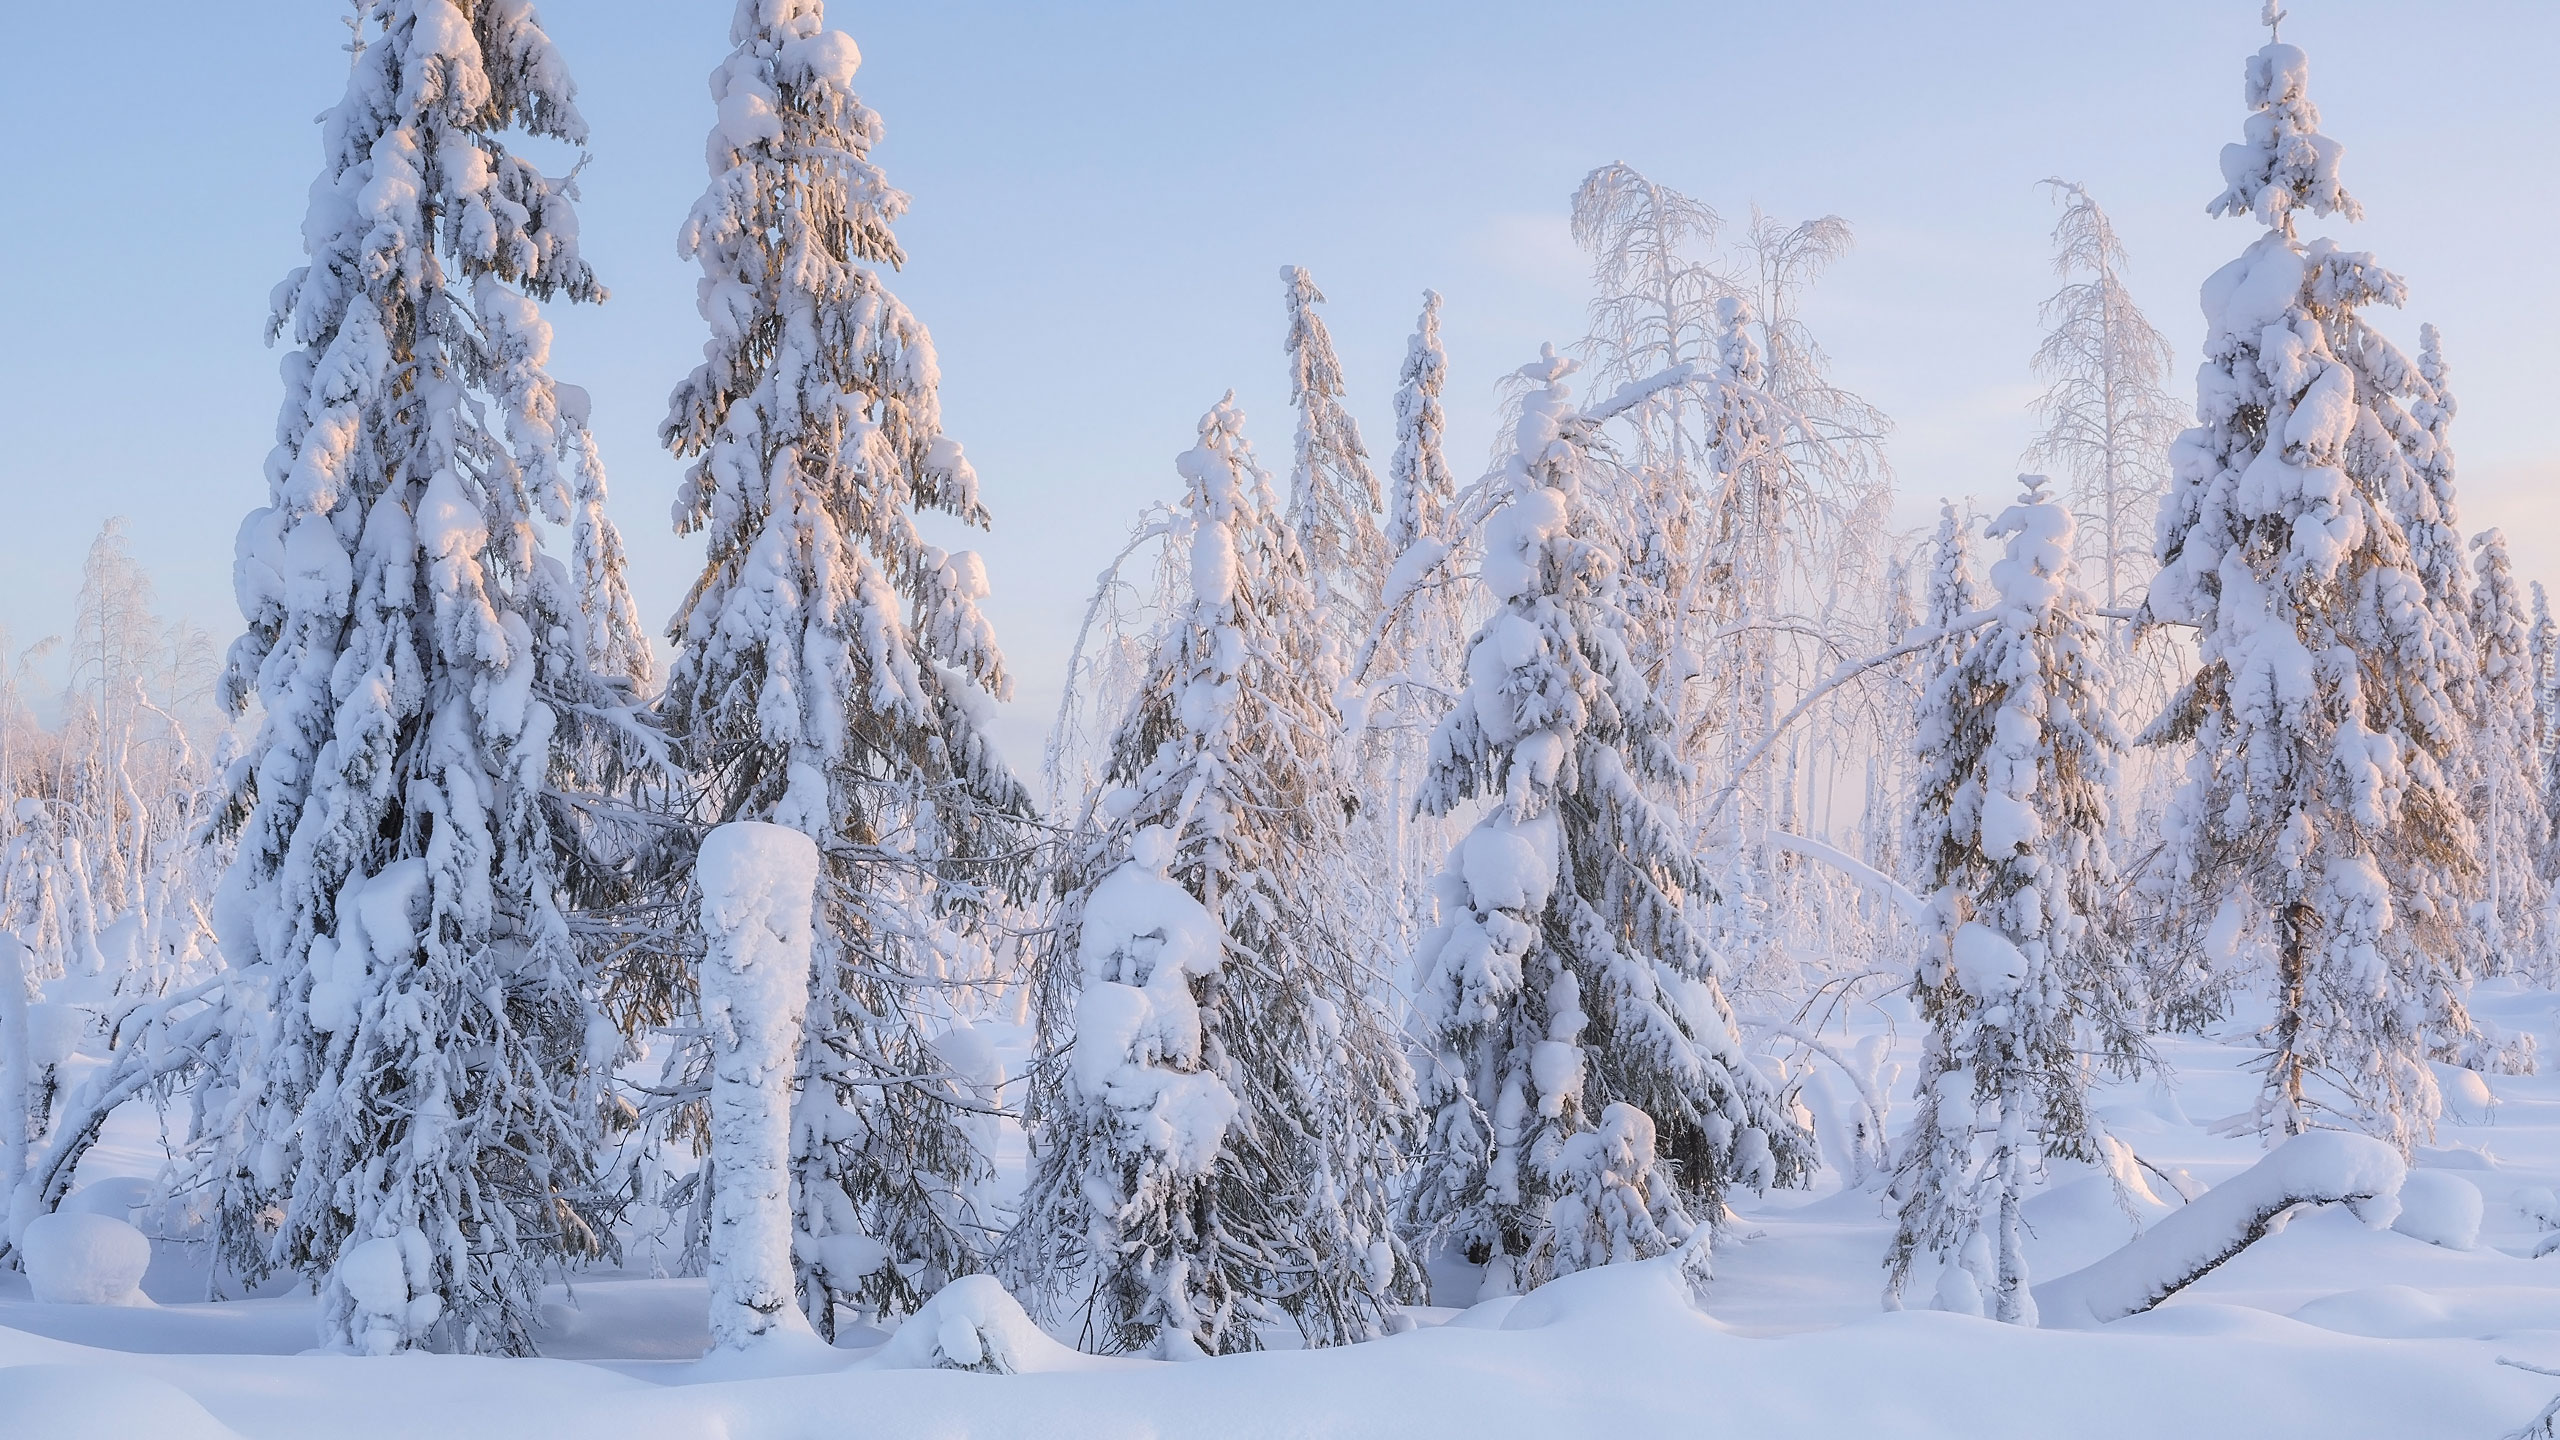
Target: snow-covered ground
{"x": 2326, "y": 1327}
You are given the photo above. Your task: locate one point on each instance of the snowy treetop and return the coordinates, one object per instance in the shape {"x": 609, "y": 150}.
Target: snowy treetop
{"x": 2282, "y": 163}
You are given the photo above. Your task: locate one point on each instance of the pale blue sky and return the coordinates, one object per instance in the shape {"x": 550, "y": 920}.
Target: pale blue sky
{"x": 1104, "y": 194}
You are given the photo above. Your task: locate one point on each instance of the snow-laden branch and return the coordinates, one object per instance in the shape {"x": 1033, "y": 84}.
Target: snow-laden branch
{"x": 1103, "y": 584}
{"x": 1636, "y": 392}
{"x": 2319, "y": 1167}
{"x": 157, "y": 1048}
{"x": 1869, "y": 1148}
{"x": 1913, "y": 908}
{"x": 1916, "y": 639}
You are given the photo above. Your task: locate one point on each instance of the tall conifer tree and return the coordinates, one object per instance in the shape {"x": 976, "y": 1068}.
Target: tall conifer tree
{"x": 2323, "y": 714}
{"x": 425, "y": 1109}
{"x": 2016, "y": 755}
{"x": 833, "y": 670}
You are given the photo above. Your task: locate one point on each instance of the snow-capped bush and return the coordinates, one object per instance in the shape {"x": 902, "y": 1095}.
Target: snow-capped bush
{"x": 973, "y": 1324}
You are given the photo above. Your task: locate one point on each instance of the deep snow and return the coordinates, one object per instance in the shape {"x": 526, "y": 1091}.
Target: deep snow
{"x": 2328, "y": 1326}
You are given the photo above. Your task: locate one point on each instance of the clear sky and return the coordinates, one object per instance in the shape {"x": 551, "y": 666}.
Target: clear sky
{"x": 1104, "y": 193}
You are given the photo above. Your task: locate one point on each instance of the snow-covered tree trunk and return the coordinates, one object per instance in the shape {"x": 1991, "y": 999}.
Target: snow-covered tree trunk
{"x": 2020, "y": 987}
{"x": 2323, "y": 714}
{"x": 426, "y": 1115}
{"x": 758, "y": 883}
{"x": 834, "y": 672}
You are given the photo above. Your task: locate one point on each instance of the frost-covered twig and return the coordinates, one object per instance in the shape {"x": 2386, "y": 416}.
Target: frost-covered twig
{"x": 2545, "y": 1426}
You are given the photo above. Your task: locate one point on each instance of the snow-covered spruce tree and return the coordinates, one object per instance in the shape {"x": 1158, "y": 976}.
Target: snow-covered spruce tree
{"x": 1124, "y": 1186}
{"x": 2107, "y": 421}
{"x": 1218, "y": 1141}
{"x": 1421, "y": 491}
{"x": 2419, "y": 489}
{"x": 1333, "y": 495}
{"x": 2322, "y": 715}
{"x": 425, "y": 1114}
{"x": 2544, "y": 641}
{"x": 1585, "y": 1093}
{"x": 1951, "y": 592}
{"x": 1402, "y": 670}
{"x": 1948, "y": 594}
{"x": 2513, "y": 910}
{"x": 2016, "y": 753}
{"x": 833, "y": 670}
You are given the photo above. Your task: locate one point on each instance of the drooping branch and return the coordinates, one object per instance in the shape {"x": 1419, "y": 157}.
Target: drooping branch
{"x": 1918, "y": 639}
{"x": 1913, "y": 908}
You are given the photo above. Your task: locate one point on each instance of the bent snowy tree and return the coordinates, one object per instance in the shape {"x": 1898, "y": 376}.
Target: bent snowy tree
{"x": 2319, "y": 1167}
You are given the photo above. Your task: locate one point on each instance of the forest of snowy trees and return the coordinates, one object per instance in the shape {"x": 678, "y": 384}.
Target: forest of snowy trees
{"x": 1435, "y": 882}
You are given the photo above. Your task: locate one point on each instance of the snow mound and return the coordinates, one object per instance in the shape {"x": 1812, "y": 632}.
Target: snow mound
{"x": 94, "y": 1402}
{"x": 1651, "y": 1295}
{"x": 973, "y": 1324}
{"x": 2440, "y": 1208}
{"x": 116, "y": 1197}
{"x": 80, "y": 1259}
{"x": 2319, "y": 1167}
{"x": 2466, "y": 1094}
{"x": 2379, "y": 1311}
